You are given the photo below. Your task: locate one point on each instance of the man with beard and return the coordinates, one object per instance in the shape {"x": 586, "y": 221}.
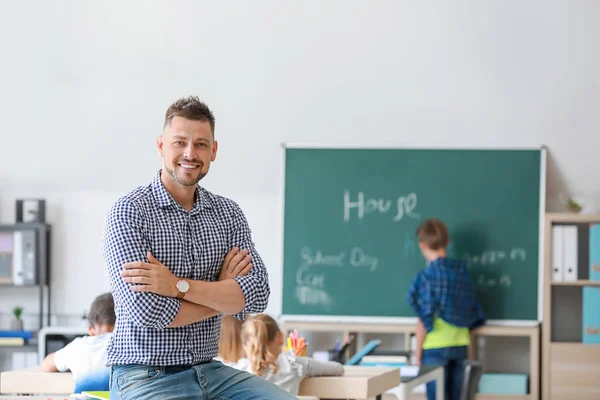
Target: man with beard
{"x": 178, "y": 257}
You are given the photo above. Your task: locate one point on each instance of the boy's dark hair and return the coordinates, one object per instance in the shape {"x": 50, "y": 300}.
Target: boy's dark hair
{"x": 102, "y": 310}
{"x": 190, "y": 108}
{"x": 434, "y": 233}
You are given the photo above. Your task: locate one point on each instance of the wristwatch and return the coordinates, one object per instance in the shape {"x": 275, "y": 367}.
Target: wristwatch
{"x": 182, "y": 287}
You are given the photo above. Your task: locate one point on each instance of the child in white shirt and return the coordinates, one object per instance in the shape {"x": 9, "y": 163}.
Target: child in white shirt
{"x": 86, "y": 356}
{"x": 262, "y": 341}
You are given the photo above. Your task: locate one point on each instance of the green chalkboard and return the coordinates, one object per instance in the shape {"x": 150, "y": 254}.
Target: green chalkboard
{"x": 351, "y": 215}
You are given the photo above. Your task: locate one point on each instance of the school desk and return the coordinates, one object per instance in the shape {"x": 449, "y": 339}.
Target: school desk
{"x": 33, "y": 381}
{"x": 372, "y": 383}
{"x": 357, "y": 383}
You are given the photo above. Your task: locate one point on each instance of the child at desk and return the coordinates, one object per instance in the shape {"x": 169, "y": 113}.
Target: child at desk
{"x": 263, "y": 341}
{"x": 443, "y": 297}
{"x": 86, "y": 356}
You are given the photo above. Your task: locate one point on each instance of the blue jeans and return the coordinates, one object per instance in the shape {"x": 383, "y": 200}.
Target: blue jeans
{"x": 210, "y": 380}
{"x": 452, "y": 358}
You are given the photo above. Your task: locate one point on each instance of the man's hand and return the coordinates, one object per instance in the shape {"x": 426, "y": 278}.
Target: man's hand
{"x": 150, "y": 277}
{"x": 236, "y": 263}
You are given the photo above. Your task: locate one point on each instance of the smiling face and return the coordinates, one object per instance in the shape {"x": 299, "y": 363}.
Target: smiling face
{"x": 187, "y": 148}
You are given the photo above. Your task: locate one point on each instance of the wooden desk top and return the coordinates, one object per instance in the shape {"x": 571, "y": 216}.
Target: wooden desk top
{"x": 356, "y": 383}
{"x": 32, "y": 380}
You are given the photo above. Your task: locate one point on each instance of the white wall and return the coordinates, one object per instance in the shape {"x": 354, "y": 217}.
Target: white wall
{"x": 84, "y": 87}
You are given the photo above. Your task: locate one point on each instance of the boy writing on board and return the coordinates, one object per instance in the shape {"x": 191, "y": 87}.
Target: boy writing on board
{"x": 443, "y": 297}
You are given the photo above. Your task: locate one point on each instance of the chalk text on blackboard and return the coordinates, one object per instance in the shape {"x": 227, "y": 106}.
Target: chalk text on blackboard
{"x": 358, "y": 258}
{"x": 319, "y": 258}
{"x": 403, "y": 206}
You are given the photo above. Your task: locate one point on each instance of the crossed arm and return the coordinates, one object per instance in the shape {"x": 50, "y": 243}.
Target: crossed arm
{"x": 146, "y": 288}
{"x": 203, "y": 300}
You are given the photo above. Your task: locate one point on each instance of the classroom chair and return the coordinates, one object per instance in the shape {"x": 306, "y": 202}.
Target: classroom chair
{"x": 471, "y": 377}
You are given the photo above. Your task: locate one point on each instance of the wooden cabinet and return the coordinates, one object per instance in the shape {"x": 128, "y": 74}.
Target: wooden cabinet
{"x": 570, "y": 368}
{"x": 574, "y": 371}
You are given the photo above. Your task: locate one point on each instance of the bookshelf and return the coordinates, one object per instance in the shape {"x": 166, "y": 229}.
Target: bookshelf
{"x": 570, "y": 368}
{"x": 32, "y": 273}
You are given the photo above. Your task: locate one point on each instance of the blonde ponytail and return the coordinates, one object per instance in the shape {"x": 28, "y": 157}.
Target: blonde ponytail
{"x": 258, "y": 333}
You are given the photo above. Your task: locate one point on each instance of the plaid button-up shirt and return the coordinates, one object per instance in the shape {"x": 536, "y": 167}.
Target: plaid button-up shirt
{"x": 444, "y": 289}
{"x": 192, "y": 245}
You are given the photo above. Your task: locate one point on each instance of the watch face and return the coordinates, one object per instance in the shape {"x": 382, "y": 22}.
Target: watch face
{"x": 183, "y": 286}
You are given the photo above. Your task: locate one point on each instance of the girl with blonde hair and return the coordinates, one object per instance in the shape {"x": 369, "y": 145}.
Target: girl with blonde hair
{"x": 262, "y": 341}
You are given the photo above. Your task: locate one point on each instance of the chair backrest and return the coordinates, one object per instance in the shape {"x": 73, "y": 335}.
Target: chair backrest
{"x": 471, "y": 376}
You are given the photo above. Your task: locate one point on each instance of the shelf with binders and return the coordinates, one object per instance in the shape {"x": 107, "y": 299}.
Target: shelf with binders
{"x": 575, "y": 267}
{"x": 573, "y": 248}
{"x": 25, "y": 264}
{"x": 571, "y": 327}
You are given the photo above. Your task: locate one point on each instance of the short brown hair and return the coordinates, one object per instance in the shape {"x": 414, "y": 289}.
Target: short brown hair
{"x": 102, "y": 311}
{"x": 434, "y": 233}
{"x": 190, "y": 108}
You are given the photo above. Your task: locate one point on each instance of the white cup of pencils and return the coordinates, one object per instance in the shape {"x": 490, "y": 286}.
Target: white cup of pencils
{"x": 296, "y": 343}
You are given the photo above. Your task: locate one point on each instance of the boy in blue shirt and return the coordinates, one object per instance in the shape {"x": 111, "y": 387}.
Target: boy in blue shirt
{"x": 443, "y": 297}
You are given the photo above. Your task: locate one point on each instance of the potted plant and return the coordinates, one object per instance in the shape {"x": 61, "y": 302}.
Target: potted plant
{"x": 17, "y": 323}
